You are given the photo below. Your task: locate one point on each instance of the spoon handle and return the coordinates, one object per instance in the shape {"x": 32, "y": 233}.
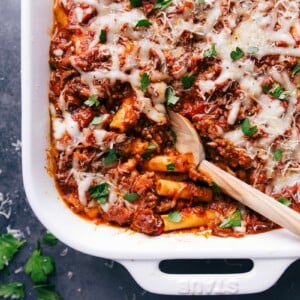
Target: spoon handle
{"x": 253, "y": 198}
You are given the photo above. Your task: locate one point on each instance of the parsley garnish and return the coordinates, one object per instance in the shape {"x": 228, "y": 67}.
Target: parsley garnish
{"x": 284, "y": 201}
{"x": 146, "y": 155}
{"x": 174, "y": 138}
{"x": 216, "y": 188}
{"x": 131, "y": 197}
{"x": 237, "y": 54}
{"x": 135, "y": 3}
{"x": 46, "y": 294}
{"x": 171, "y": 167}
{"x": 111, "y": 157}
{"x": 92, "y": 101}
{"x": 202, "y": 2}
{"x": 100, "y": 192}
{"x": 13, "y": 290}
{"x": 252, "y": 50}
{"x": 278, "y": 92}
{"x": 162, "y": 4}
{"x": 143, "y": 22}
{"x": 97, "y": 120}
{"x": 296, "y": 69}
{"x": 151, "y": 147}
{"x": 234, "y": 220}
{"x": 145, "y": 82}
{"x": 170, "y": 97}
{"x": 210, "y": 52}
{"x": 49, "y": 239}
{"x": 277, "y": 155}
{"x": 188, "y": 81}
{"x": 102, "y": 36}
{"x": 174, "y": 216}
{"x": 247, "y": 129}
{"x": 9, "y": 246}
{"x": 39, "y": 267}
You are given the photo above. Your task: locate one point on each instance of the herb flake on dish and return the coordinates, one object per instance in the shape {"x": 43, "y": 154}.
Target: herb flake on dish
{"x": 99, "y": 192}
{"x": 234, "y": 220}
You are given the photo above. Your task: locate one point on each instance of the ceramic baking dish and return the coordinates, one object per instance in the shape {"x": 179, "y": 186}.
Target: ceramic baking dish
{"x": 271, "y": 252}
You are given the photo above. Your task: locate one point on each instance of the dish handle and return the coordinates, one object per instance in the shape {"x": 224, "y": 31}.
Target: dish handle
{"x": 265, "y": 272}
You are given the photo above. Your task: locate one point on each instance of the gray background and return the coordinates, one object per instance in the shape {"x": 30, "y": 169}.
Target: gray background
{"x": 77, "y": 276}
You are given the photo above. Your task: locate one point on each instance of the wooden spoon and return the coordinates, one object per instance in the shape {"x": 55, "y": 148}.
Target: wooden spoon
{"x": 188, "y": 141}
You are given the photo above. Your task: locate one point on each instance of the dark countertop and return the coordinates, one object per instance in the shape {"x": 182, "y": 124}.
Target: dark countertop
{"x": 77, "y": 276}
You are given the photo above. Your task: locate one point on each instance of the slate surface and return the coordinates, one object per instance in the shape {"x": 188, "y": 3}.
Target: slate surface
{"x": 77, "y": 276}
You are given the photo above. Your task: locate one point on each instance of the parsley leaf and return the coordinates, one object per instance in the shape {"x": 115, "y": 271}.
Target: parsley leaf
{"x": 171, "y": 167}
{"x": 296, "y": 69}
{"x": 170, "y": 97}
{"x": 39, "y": 266}
{"x": 97, "y": 120}
{"x": 278, "y": 92}
{"x": 188, "y": 81}
{"x": 102, "y": 36}
{"x": 9, "y": 246}
{"x": 174, "y": 216}
{"x": 210, "y": 52}
{"x": 277, "y": 155}
{"x": 174, "y": 138}
{"x": 202, "y": 2}
{"x": 111, "y": 157}
{"x": 92, "y": 101}
{"x": 13, "y": 290}
{"x": 135, "y": 3}
{"x": 151, "y": 147}
{"x": 143, "y": 22}
{"x": 131, "y": 197}
{"x": 284, "y": 201}
{"x": 99, "y": 192}
{"x": 162, "y": 4}
{"x": 234, "y": 220}
{"x": 46, "y": 294}
{"x": 49, "y": 239}
{"x": 237, "y": 54}
{"x": 145, "y": 82}
{"x": 216, "y": 188}
{"x": 247, "y": 129}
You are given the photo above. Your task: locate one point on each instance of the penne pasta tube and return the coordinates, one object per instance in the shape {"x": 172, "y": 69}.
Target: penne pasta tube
{"x": 183, "y": 190}
{"x": 60, "y": 15}
{"x": 125, "y": 117}
{"x": 190, "y": 219}
{"x": 170, "y": 163}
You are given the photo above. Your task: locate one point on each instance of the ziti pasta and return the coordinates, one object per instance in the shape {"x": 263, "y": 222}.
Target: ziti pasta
{"x": 230, "y": 67}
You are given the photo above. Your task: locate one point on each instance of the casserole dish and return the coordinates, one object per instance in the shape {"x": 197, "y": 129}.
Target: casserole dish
{"x": 271, "y": 252}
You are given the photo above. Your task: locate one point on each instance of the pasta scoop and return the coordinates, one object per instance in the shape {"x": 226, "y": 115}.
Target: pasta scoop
{"x": 188, "y": 141}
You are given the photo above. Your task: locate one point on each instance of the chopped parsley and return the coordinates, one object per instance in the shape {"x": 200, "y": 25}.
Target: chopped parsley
{"x": 216, "y": 188}
{"x": 277, "y": 155}
{"x": 111, "y": 157}
{"x": 171, "y": 167}
{"x": 210, "y": 52}
{"x": 49, "y": 239}
{"x": 39, "y": 267}
{"x": 247, "y": 129}
{"x": 151, "y": 147}
{"x": 92, "y": 101}
{"x": 135, "y": 3}
{"x": 278, "y": 92}
{"x": 9, "y": 246}
{"x": 296, "y": 69}
{"x": 13, "y": 290}
{"x": 145, "y": 82}
{"x": 99, "y": 192}
{"x": 97, "y": 120}
{"x": 234, "y": 220}
{"x": 174, "y": 138}
{"x": 46, "y": 294}
{"x": 146, "y": 155}
{"x": 131, "y": 197}
{"x": 162, "y": 4}
{"x": 188, "y": 81}
{"x": 237, "y": 54}
{"x": 174, "y": 216}
{"x": 102, "y": 36}
{"x": 170, "y": 96}
{"x": 284, "y": 201}
{"x": 143, "y": 22}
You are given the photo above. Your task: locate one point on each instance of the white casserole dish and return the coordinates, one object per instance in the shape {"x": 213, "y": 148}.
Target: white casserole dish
{"x": 271, "y": 252}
